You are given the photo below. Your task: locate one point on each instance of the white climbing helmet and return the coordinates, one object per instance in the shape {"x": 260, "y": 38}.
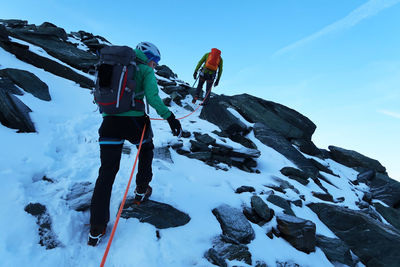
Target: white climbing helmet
{"x": 150, "y": 50}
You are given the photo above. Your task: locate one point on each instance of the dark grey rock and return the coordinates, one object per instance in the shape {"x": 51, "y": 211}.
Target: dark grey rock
{"x": 160, "y": 215}
{"x": 14, "y": 23}
{"x": 50, "y": 29}
{"x": 281, "y": 119}
{"x": 167, "y": 101}
{"x": 352, "y": 158}
{"x": 57, "y": 47}
{"x": 261, "y": 208}
{"x": 216, "y": 112}
{"x": 286, "y": 264}
{"x": 335, "y": 250}
{"x": 391, "y": 215}
{"x": 298, "y": 232}
{"x": 80, "y": 196}
{"x": 165, "y": 83}
{"x": 165, "y": 71}
{"x": 298, "y": 203}
{"x": 382, "y": 187}
{"x": 29, "y": 82}
{"x": 197, "y": 146}
{"x": 14, "y": 113}
{"x": 238, "y": 138}
{"x": 244, "y": 188}
{"x": 323, "y": 196}
{"x": 231, "y": 251}
{"x": 295, "y": 174}
{"x": 252, "y": 216}
{"x": 3, "y": 33}
{"x": 272, "y": 139}
{"x": 322, "y": 167}
{"x": 234, "y": 224}
{"x": 8, "y": 86}
{"x": 212, "y": 256}
{"x": 23, "y": 53}
{"x": 281, "y": 202}
{"x": 204, "y": 138}
{"x": 306, "y": 146}
{"x": 375, "y": 243}
{"x": 47, "y": 236}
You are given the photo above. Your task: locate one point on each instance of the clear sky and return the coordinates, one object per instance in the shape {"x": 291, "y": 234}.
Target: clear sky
{"x": 337, "y": 61}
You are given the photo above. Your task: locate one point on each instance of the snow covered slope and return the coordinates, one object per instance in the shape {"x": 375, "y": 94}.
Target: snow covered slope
{"x": 45, "y": 166}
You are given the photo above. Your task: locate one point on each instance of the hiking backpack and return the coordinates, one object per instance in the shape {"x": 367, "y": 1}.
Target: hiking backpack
{"x": 213, "y": 59}
{"x": 114, "y": 90}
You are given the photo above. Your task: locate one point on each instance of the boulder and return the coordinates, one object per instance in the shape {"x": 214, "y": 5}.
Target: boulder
{"x": 295, "y": 174}
{"x": 279, "y": 118}
{"x": 281, "y": 202}
{"x": 228, "y": 249}
{"x": 276, "y": 141}
{"x": 298, "y": 232}
{"x": 244, "y": 188}
{"x": 375, "y": 243}
{"x": 335, "y": 250}
{"x": 160, "y": 215}
{"x": 261, "y": 208}
{"x": 48, "y": 238}
{"x": 204, "y": 138}
{"x": 353, "y": 159}
{"x": 14, "y": 113}
{"x": 29, "y": 82}
{"x": 234, "y": 224}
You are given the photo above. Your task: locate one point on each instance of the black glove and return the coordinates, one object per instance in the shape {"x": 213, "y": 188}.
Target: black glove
{"x": 195, "y": 75}
{"x": 216, "y": 83}
{"x": 175, "y": 125}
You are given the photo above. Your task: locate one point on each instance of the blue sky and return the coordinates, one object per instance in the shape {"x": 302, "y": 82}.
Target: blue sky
{"x": 336, "y": 61}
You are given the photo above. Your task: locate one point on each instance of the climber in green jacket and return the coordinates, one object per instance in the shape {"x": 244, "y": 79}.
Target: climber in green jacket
{"x": 129, "y": 125}
{"x": 212, "y": 64}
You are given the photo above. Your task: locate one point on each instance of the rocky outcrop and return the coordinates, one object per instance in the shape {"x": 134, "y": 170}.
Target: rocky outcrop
{"x": 29, "y": 82}
{"x": 298, "y": 232}
{"x": 354, "y": 159}
{"x": 283, "y": 120}
{"x": 375, "y": 243}
{"x": 160, "y": 215}
{"x": 48, "y": 238}
{"x": 217, "y": 113}
{"x": 53, "y": 40}
{"x": 276, "y": 141}
{"x": 295, "y": 174}
{"x": 23, "y": 53}
{"x": 234, "y": 224}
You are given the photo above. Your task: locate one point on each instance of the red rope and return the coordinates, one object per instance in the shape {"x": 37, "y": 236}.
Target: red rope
{"x": 122, "y": 203}
{"x": 157, "y": 119}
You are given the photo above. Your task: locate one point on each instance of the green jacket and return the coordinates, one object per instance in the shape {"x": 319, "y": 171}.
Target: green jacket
{"x": 146, "y": 81}
{"x": 203, "y": 60}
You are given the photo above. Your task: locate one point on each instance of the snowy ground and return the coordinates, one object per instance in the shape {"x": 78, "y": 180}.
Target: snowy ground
{"x": 65, "y": 149}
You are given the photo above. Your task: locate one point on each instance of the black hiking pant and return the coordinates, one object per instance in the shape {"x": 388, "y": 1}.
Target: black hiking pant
{"x": 205, "y": 77}
{"x": 113, "y": 131}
